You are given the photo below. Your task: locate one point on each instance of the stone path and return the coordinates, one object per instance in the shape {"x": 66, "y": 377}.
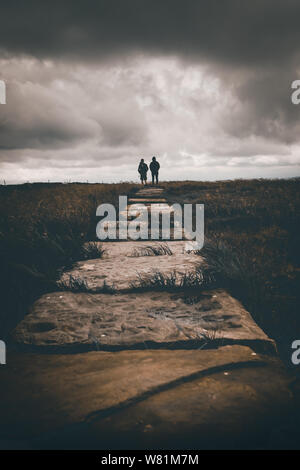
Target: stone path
{"x": 123, "y": 262}
{"x": 65, "y": 321}
{"x": 126, "y": 364}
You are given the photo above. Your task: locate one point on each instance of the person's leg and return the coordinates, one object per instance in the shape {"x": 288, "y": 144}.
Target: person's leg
{"x": 152, "y": 177}
{"x": 156, "y": 178}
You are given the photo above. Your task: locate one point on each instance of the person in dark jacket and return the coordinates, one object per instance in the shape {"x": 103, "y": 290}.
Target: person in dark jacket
{"x": 142, "y": 169}
{"x": 154, "y": 167}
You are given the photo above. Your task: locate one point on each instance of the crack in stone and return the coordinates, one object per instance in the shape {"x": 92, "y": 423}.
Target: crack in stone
{"x": 100, "y": 414}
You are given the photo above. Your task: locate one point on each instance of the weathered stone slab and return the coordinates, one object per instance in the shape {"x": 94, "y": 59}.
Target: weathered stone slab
{"x": 223, "y": 397}
{"x": 145, "y": 399}
{"x": 156, "y": 213}
{"x": 127, "y": 249}
{"x": 155, "y": 206}
{"x": 64, "y": 320}
{"x": 147, "y": 199}
{"x": 242, "y": 408}
{"x": 149, "y": 191}
{"x": 122, "y": 272}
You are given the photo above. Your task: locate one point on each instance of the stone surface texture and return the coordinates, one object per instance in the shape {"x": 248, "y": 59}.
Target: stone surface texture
{"x": 110, "y": 366}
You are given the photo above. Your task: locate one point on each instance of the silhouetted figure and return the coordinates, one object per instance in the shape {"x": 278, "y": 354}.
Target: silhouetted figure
{"x": 154, "y": 167}
{"x": 142, "y": 169}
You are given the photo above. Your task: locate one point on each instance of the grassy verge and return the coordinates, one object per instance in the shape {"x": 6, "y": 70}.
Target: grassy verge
{"x": 43, "y": 230}
{"x": 252, "y": 247}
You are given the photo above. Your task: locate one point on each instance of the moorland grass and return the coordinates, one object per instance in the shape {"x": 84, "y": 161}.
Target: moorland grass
{"x": 43, "y": 230}
{"x": 252, "y": 247}
{"x": 251, "y": 232}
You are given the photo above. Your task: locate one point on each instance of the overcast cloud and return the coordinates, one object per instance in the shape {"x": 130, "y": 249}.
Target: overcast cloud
{"x": 93, "y": 86}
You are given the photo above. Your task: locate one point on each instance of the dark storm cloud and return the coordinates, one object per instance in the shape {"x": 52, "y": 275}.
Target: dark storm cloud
{"x": 207, "y": 84}
{"x": 35, "y": 116}
{"x": 43, "y": 111}
{"x": 265, "y": 108}
{"x": 258, "y": 35}
{"x": 244, "y": 32}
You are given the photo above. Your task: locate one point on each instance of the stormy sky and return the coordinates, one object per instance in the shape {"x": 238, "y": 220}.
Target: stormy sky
{"x": 94, "y": 85}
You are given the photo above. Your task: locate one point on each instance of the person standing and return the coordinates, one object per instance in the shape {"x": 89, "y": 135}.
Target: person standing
{"x": 154, "y": 167}
{"x": 142, "y": 169}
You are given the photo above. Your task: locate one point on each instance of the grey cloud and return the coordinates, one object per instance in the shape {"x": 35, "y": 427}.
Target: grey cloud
{"x": 121, "y": 120}
{"x": 36, "y": 116}
{"x": 256, "y": 31}
{"x": 105, "y": 82}
{"x": 264, "y": 106}
{"x": 63, "y": 111}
